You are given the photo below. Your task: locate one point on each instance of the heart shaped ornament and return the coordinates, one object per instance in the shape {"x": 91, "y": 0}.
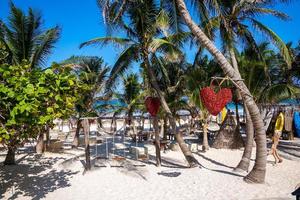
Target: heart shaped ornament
{"x": 215, "y": 102}
{"x": 152, "y": 105}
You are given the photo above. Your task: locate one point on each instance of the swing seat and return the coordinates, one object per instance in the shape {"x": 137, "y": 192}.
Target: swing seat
{"x": 119, "y": 146}
{"x": 143, "y": 157}
{"x": 118, "y": 158}
{"x": 149, "y": 148}
{"x": 138, "y": 151}
{"x": 193, "y": 147}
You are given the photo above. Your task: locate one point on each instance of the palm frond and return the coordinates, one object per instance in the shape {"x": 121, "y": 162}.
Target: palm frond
{"x": 107, "y": 40}
{"x": 267, "y": 11}
{"x": 275, "y": 39}
{"x": 158, "y": 43}
{"x": 45, "y": 44}
{"x": 278, "y": 92}
{"x": 125, "y": 59}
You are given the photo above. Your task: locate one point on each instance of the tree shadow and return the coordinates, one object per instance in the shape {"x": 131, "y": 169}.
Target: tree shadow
{"x": 220, "y": 164}
{"x": 213, "y": 161}
{"x": 129, "y": 168}
{"x": 169, "y": 174}
{"x": 169, "y": 163}
{"x": 34, "y": 178}
{"x": 290, "y": 153}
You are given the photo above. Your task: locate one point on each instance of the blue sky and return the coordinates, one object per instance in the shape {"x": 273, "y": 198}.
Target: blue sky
{"x": 82, "y": 20}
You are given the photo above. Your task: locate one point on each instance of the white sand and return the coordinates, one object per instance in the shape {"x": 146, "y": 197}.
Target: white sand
{"x": 46, "y": 178}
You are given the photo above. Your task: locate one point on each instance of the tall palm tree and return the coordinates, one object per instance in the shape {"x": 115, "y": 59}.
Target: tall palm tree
{"x": 92, "y": 74}
{"x": 234, "y": 19}
{"x": 24, "y": 38}
{"x": 269, "y": 79}
{"x": 259, "y": 170}
{"x": 145, "y": 25}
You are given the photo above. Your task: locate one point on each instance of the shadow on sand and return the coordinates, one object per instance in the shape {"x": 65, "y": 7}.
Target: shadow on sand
{"x": 219, "y": 164}
{"x": 33, "y": 179}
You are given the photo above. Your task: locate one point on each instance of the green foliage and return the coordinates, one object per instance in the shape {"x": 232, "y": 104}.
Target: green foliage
{"x": 148, "y": 31}
{"x": 91, "y": 73}
{"x": 3, "y": 53}
{"x": 31, "y": 99}
{"x": 25, "y": 39}
{"x": 132, "y": 96}
{"x": 269, "y": 79}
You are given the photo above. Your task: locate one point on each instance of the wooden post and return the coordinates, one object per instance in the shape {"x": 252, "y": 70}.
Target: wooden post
{"x": 157, "y": 141}
{"x": 86, "y": 129}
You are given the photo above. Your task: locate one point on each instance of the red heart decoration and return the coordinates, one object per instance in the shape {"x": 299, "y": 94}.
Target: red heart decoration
{"x": 213, "y": 102}
{"x": 152, "y": 105}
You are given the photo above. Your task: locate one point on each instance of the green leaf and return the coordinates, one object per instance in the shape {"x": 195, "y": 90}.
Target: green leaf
{"x": 58, "y": 97}
{"x": 50, "y": 110}
{"x": 71, "y": 82}
{"x": 29, "y": 89}
{"x": 6, "y": 137}
{"x": 49, "y": 71}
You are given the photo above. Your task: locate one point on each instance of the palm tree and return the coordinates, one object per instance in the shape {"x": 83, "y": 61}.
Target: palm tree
{"x": 233, "y": 19}
{"x": 258, "y": 172}
{"x": 236, "y": 21}
{"x": 145, "y": 23}
{"x": 269, "y": 79}
{"x": 131, "y": 98}
{"x": 24, "y": 37}
{"x": 92, "y": 74}
{"x": 197, "y": 77}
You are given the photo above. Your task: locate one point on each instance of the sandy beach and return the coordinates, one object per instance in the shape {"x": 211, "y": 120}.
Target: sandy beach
{"x": 62, "y": 176}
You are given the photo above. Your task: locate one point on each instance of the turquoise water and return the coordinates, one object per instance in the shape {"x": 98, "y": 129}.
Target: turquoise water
{"x": 230, "y": 106}
{"x": 290, "y": 101}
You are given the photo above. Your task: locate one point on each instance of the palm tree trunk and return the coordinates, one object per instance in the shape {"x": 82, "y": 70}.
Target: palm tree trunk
{"x": 131, "y": 124}
{"x": 165, "y": 128}
{"x": 238, "y": 93}
{"x": 143, "y": 123}
{"x": 10, "y": 156}
{"x": 245, "y": 161}
{"x": 257, "y": 175}
{"x": 47, "y": 136}
{"x": 162, "y": 127}
{"x": 234, "y": 61}
{"x": 157, "y": 142}
{"x": 205, "y": 145}
{"x": 39, "y": 148}
{"x": 113, "y": 124}
{"x": 86, "y": 129}
{"x": 75, "y": 142}
{"x": 184, "y": 148}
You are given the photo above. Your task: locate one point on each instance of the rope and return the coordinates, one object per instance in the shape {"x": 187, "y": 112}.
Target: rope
{"x": 234, "y": 83}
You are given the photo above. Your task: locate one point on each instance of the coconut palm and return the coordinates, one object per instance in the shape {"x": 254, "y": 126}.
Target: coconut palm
{"x": 197, "y": 77}
{"x": 236, "y": 21}
{"x": 92, "y": 74}
{"x": 232, "y": 19}
{"x": 130, "y": 97}
{"x": 258, "y": 172}
{"x": 25, "y": 39}
{"x": 269, "y": 79}
{"x": 145, "y": 24}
